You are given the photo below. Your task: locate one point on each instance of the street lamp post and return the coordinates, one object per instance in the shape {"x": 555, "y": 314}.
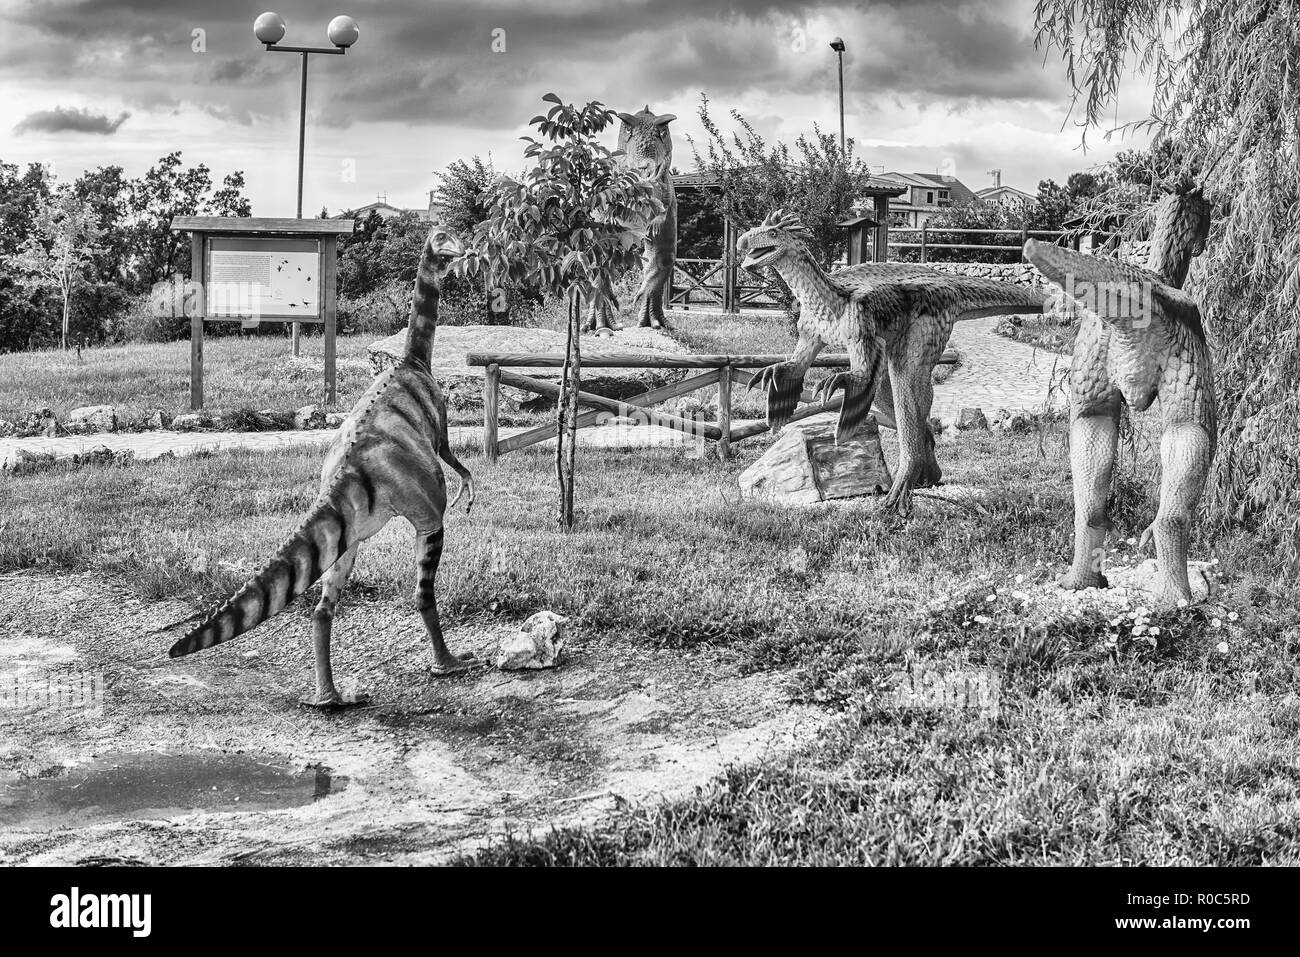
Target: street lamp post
{"x": 838, "y": 46}
{"x": 269, "y": 30}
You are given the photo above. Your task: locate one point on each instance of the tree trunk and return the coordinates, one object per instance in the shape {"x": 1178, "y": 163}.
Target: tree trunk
{"x": 67, "y": 297}
{"x": 566, "y": 440}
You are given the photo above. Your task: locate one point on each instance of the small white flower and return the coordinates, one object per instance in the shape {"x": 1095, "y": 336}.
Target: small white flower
{"x": 1153, "y": 630}
{"x": 1182, "y": 603}
{"x": 1138, "y": 629}
{"x": 991, "y": 598}
{"x": 1132, "y": 541}
{"x": 1232, "y": 616}
{"x": 1216, "y": 623}
{"x": 1222, "y": 647}
{"x": 982, "y": 619}
{"x": 1019, "y": 579}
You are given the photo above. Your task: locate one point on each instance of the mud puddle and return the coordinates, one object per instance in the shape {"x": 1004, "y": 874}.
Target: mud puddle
{"x": 136, "y": 785}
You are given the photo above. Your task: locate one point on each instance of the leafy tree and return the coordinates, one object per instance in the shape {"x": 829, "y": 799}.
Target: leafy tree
{"x": 569, "y": 225}
{"x": 60, "y": 248}
{"x": 464, "y": 194}
{"x": 816, "y": 180}
{"x": 1226, "y": 110}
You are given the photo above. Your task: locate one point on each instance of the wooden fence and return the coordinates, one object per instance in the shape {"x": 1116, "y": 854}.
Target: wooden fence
{"x": 722, "y": 371}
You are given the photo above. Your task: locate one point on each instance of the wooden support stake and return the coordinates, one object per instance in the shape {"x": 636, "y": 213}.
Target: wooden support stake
{"x": 196, "y": 320}
{"x": 326, "y": 272}
{"x": 491, "y": 399}
{"x": 925, "y": 241}
{"x": 724, "y": 413}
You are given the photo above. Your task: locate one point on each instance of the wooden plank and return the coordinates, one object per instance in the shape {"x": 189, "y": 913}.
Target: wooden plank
{"x": 587, "y": 419}
{"x": 329, "y": 258}
{"x": 236, "y": 225}
{"x": 491, "y": 408}
{"x": 197, "y": 276}
{"x": 724, "y": 413}
{"x": 514, "y": 380}
{"x": 552, "y": 360}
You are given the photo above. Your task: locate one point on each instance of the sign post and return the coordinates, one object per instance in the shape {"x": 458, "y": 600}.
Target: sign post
{"x": 255, "y": 269}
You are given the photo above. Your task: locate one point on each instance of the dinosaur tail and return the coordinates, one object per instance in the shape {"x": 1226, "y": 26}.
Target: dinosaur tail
{"x": 329, "y": 530}
{"x": 988, "y": 297}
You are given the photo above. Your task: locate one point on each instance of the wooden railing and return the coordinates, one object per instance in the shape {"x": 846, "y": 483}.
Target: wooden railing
{"x": 926, "y": 245}
{"x": 723, "y": 371}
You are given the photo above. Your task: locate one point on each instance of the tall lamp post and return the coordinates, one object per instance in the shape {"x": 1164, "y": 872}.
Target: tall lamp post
{"x": 838, "y": 46}
{"x": 269, "y": 30}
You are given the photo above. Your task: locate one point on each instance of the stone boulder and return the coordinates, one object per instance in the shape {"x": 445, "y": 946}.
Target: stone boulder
{"x": 537, "y": 644}
{"x": 191, "y": 422}
{"x": 41, "y": 422}
{"x": 92, "y": 418}
{"x": 805, "y": 466}
{"x": 309, "y": 417}
{"x": 1201, "y": 576}
{"x": 334, "y": 419}
{"x": 972, "y": 419}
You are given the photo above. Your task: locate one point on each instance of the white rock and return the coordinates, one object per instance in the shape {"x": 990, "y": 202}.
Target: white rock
{"x": 92, "y": 418}
{"x": 537, "y": 643}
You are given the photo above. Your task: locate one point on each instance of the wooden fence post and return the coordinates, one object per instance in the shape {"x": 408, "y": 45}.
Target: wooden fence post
{"x": 199, "y": 280}
{"x": 729, "y": 269}
{"x": 724, "y": 412}
{"x": 925, "y": 238}
{"x": 491, "y": 393}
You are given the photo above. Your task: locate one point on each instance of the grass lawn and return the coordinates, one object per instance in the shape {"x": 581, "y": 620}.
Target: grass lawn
{"x": 254, "y": 372}
{"x": 1093, "y": 753}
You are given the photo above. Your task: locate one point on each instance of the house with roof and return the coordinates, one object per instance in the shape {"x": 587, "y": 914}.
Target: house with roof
{"x": 924, "y": 195}
{"x": 1006, "y": 196}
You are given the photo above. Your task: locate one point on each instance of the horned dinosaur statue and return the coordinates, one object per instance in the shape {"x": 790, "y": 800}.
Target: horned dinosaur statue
{"x": 1140, "y": 336}
{"x": 383, "y": 463}
{"x": 893, "y": 314}
{"x": 647, "y": 144}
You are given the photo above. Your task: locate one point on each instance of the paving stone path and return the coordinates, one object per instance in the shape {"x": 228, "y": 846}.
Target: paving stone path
{"x": 996, "y": 373}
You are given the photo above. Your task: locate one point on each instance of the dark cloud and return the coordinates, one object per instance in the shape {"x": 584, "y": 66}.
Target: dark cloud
{"x": 429, "y": 61}
{"x": 65, "y": 120}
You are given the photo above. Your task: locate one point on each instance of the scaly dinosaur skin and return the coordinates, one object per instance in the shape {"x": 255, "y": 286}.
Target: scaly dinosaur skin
{"x": 1139, "y": 337}
{"x": 648, "y": 145}
{"x": 893, "y": 314}
{"x": 384, "y": 462}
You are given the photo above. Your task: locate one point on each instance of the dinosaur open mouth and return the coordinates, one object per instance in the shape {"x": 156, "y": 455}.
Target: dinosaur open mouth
{"x": 759, "y": 256}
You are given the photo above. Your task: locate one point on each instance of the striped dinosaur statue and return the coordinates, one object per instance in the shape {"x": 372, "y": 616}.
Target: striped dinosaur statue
{"x": 1140, "y": 337}
{"x": 888, "y": 315}
{"x": 383, "y": 463}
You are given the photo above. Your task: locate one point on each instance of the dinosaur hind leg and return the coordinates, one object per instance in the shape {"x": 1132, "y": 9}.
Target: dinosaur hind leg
{"x": 1185, "y": 453}
{"x": 917, "y": 465}
{"x": 322, "y": 626}
{"x": 428, "y": 555}
{"x": 1093, "y": 440}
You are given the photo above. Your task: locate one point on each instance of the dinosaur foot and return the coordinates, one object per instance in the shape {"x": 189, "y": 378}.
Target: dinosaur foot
{"x": 654, "y": 322}
{"x": 1077, "y": 581}
{"x": 456, "y": 665}
{"x": 899, "y": 500}
{"x": 333, "y": 700}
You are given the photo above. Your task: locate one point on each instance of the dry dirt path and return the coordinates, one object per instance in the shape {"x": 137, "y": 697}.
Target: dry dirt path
{"x": 110, "y": 752}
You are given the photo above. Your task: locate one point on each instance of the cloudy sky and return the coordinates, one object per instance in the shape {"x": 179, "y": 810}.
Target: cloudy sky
{"x": 929, "y": 85}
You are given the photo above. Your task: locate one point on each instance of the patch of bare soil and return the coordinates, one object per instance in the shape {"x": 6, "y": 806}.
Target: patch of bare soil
{"x": 111, "y": 752}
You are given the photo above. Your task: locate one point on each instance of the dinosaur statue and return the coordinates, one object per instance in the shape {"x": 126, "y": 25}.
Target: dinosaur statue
{"x": 648, "y": 146}
{"x": 895, "y": 315}
{"x": 383, "y": 463}
{"x": 1140, "y": 336}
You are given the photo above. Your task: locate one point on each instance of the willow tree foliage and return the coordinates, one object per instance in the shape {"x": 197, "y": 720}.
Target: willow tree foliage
{"x": 1227, "y": 107}
{"x": 569, "y": 225}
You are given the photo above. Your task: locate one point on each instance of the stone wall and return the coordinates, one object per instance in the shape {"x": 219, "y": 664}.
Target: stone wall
{"x": 1022, "y": 274}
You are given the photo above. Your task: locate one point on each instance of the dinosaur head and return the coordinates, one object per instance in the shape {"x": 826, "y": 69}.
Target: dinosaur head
{"x": 768, "y": 243}
{"x": 441, "y": 247}
{"x": 646, "y": 142}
